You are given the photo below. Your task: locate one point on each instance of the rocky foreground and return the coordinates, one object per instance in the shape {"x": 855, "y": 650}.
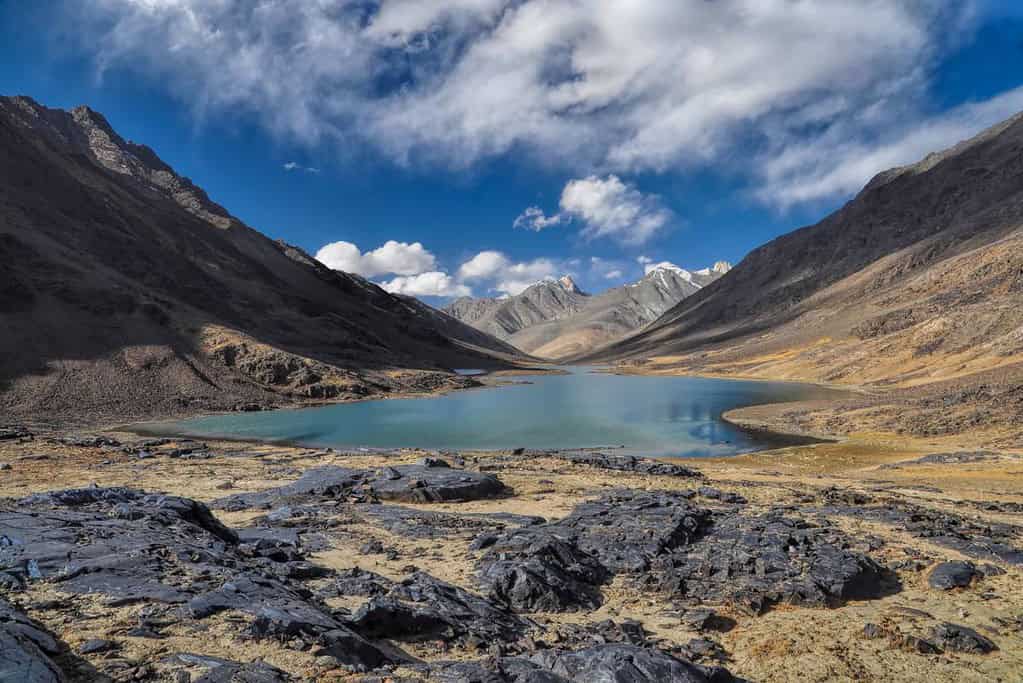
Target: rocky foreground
{"x": 152, "y": 559}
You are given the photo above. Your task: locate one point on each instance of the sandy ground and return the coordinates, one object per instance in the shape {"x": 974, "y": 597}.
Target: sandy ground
{"x": 783, "y": 645}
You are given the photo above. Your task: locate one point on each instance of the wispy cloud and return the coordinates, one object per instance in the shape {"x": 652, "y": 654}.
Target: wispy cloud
{"x": 836, "y": 163}
{"x": 295, "y": 166}
{"x": 593, "y": 86}
{"x": 533, "y": 218}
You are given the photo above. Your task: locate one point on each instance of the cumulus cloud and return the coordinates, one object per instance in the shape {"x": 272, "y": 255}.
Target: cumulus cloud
{"x": 433, "y": 283}
{"x": 504, "y": 275}
{"x": 610, "y": 208}
{"x": 606, "y": 207}
{"x": 399, "y": 258}
{"x": 613, "y": 274}
{"x": 643, "y": 260}
{"x": 517, "y": 277}
{"x": 486, "y": 264}
{"x": 619, "y": 87}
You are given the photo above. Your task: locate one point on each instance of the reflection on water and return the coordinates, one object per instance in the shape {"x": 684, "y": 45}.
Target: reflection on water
{"x": 665, "y": 416}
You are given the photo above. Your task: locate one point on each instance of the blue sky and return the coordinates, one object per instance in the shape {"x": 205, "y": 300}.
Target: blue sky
{"x": 674, "y": 131}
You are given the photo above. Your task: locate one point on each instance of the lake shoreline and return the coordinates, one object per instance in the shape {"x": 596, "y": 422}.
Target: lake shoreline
{"x": 751, "y": 437}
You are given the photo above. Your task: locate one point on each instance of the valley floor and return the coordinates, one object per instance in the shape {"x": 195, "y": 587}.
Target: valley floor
{"x": 818, "y": 563}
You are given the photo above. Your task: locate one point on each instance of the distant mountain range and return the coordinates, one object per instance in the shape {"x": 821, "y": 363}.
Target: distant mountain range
{"x": 126, "y": 292}
{"x": 554, "y": 318}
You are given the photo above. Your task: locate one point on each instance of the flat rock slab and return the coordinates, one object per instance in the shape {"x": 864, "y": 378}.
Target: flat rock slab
{"x": 958, "y": 638}
{"x": 612, "y": 662}
{"x": 403, "y": 483}
{"x": 949, "y": 575}
{"x": 254, "y": 672}
{"x": 135, "y": 547}
{"x": 954, "y": 458}
{"x": 422, "y": 606}
{"x": 219, "y": 670}
{"x": 425, "y": 524}
{"x": 26, "y": 649}
{"x": 629, "y": 463}
{"x": 981, "y": 540}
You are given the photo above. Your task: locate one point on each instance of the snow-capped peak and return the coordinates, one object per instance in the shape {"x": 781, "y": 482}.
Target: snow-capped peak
{"x": 722, "y": 267}
{"x": 667, "y": 266}
{"x": 565, "y": 282}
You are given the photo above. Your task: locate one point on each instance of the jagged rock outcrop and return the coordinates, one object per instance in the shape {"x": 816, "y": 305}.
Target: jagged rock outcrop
{"x": 134, "y": 547}
{"x": 26, "y": 649}
{"x": 669, "y": 545}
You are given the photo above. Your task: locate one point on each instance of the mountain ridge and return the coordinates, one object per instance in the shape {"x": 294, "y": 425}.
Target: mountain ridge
{"x": 912, "y": 288}
{"x": 129, "y": 293}
{"x": 554, "y": 318}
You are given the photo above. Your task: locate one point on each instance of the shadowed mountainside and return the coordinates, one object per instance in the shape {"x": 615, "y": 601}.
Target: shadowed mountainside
{"x": 126, "y": 292}
{"x": 916, "y": 283}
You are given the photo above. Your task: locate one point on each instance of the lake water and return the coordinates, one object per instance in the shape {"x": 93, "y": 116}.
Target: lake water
{"x": 660, "y": 416}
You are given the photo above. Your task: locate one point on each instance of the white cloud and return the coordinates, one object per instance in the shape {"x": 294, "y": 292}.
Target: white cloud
{"x": 835, "y": 164}
{"x": 643, "y": 260}
{"x": 505, "y": 276}
{"x": 610, "y": 208}
{"x": 433, "y": 283}
{"x": 591, "y": 85}
{"x": 399, "y": 258}
{"x": 295, "y": 166}
{"x": 606, "y": 207}
{"x": 483, "y": 265}
{"x": 517, "y": 277}
{"x": 533, "y": 218}
{"x": 613, "y": 274}
{"x": 341, "y": 256}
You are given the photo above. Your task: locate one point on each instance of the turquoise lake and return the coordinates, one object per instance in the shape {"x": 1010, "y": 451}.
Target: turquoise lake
{"x": 659, "y": 416}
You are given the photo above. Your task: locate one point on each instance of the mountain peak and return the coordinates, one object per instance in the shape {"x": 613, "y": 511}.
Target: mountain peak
{"x": 668, "y": 267}
{"x": 569, "y": 285}
{"x": 722, "y": 267}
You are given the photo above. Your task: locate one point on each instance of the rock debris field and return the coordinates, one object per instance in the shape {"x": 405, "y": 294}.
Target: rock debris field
{"x": 526, "y": 566}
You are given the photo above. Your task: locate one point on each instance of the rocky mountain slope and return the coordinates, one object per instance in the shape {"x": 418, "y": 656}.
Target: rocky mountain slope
{"x": 503, "y": 317}
{"x": 126, "y": 292}
{"x": 555, "y": 319}
{"x": 916, "y": 284}
{"x": 617, "y": 312}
